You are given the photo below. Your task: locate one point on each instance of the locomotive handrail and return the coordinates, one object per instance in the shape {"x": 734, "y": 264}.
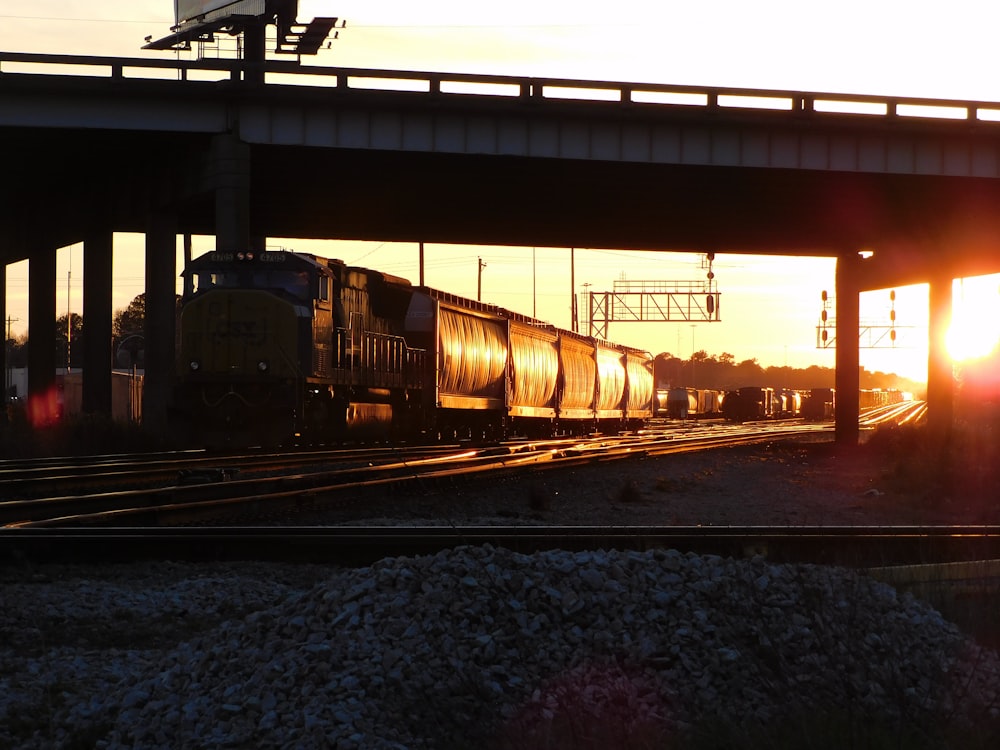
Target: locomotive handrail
{"x": 383, "y": 359}
{"x": 526, "y": 88}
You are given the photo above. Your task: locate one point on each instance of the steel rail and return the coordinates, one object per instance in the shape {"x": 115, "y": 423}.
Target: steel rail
{"x": 353, "y": 545}
{"x": 21, "y": 480}
{"x": 199, "y": 503}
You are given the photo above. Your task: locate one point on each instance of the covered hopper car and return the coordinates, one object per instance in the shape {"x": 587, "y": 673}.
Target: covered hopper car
{"x": 693, "y": 403}
{"x": 282, "y": 346}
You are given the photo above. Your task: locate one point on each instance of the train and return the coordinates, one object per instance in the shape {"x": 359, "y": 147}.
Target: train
{"x": 280, "y": 346}
{"x": 754, "y": 403}
{"x": 815, "y": 404}
{"x": 689, "y": 403}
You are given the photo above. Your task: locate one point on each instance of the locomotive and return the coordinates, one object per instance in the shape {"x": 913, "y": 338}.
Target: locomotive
{"x": 276, "y": 346}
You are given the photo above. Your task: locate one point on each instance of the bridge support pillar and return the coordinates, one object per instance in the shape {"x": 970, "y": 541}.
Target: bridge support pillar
{"x": 160, "y": 327}
{"x": 42, "y": 400}
{"x": 848, "y": 382}
{"x": 230, "y": 180}
{"x": 940, "y": 376}
{"x": 3, "y": 351}
{"x": 97, "y": 277}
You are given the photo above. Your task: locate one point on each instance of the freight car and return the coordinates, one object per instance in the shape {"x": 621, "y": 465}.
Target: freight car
{"x": 874, "y": 398}
{"x": 821, "y": 403}
{"x": 751, "y": 404}
{"x": 275, "y": 346}
{"x": 789, "y": 405}
{"x": 691, "y": 403}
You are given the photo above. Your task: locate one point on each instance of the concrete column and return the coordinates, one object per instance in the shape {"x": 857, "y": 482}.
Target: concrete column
{"x": 848, "y": 382}
{"x": 3, "y": 351}
{"x": 97, "y": 316}
{"x": 230, "y": 179}
{"x": 940, "y": 375}
{"x": 42, "y": 335}
{"x": 160, "y": 327}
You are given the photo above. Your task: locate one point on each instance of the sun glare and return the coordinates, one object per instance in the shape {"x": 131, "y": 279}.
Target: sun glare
{"x": 975, "y": 325}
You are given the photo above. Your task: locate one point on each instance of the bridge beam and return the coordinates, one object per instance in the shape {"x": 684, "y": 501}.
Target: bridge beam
{"x": 847, "y": 379}
{"x": 97, "y": 283}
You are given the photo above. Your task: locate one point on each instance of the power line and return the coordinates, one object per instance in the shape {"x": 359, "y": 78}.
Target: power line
{"x": 84, "y": 20}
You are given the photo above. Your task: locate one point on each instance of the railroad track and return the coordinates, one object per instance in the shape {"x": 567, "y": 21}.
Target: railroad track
{"x": 853, "y": 546}
{"x": 221, "y": 497}
{"x": 173, "y": 522}
{"x": 52, "y": 477}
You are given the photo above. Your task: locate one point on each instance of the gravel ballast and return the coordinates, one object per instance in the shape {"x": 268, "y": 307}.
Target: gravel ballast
{"x": 475, "y": 646}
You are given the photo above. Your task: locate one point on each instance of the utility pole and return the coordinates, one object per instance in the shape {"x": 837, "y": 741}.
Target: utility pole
{"x": 7, "y": 370}
{"x": 479, "y": 283}
{"x": 69, "y": 318}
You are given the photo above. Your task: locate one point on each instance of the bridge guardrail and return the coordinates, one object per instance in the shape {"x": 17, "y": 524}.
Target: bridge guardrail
{"x": 524, "y": 87}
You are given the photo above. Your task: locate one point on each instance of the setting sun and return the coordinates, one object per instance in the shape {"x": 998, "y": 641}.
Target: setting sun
{"x": 975, "y": 324}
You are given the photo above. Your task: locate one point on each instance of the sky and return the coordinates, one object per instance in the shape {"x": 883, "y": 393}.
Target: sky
{"x": 770, "y": 306}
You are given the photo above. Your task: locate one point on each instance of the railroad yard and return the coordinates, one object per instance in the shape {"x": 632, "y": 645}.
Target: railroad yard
{"x": 799, "y": 483}
{"x": 479, "y": 645}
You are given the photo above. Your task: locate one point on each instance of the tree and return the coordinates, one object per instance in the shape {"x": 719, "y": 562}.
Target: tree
{"x": 74, "y": 339}
{"x": 130, "y": 321}
{"x": 127, "y": 333}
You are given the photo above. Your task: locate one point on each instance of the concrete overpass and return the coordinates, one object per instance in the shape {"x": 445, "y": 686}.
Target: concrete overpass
{"x": 91, "y": 146}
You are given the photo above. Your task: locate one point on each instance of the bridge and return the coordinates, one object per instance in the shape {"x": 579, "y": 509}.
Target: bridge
{"x": 91, "y": 146}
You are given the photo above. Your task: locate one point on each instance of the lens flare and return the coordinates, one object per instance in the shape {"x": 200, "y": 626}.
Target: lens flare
{"x": 975, "y": 326}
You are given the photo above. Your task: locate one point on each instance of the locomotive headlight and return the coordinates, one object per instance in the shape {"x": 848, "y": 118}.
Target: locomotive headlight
{"x": 263, "y": 366}
{"x": 194, "y": 365}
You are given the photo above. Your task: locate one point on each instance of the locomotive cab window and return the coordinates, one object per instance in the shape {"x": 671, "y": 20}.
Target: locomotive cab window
{"x": 295, "y": 283}
{"x": 212, "y": 279}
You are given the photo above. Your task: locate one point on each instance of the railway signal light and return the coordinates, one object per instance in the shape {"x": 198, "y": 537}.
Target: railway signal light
{"x": 892, "y": 316}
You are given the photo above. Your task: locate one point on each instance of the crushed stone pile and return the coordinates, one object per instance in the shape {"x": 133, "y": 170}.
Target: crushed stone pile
{"x": 484, "y": 646}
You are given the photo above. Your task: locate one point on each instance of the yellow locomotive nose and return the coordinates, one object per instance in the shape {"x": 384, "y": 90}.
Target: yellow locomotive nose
{"x": 239, "y": 333}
